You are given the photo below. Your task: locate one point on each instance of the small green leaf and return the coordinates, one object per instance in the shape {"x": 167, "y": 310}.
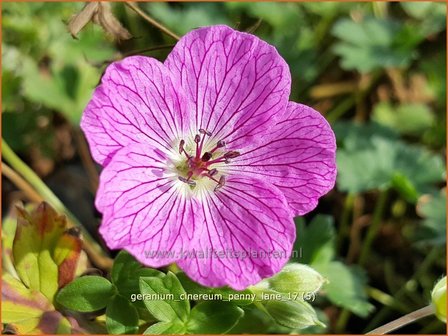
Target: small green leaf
{"x": 374, "y": 163}
{"x": 240, "y": 298}
{"x": 86, "y": 294}
{"x": 127, "y": 271}
{"x": 315, "y": 242}
{"x": 292, "y": 314}
{"x": 346, "y": 287}
{"x": 121, "y": 316}
{"x": 374, "y": 43}
{"x": 213, "y": 317}
{"x": 29, "y": 311}
{"x": 254, "y": 321}
{"x": 45, "y": 254}
{"x": 405, "y": 118}
{"x": 164, "y": 298}
{"x": 433, "y": 209}
{"x": 166, "y": 328}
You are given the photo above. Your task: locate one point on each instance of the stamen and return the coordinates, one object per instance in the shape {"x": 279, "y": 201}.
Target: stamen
{"x": 221, "y": 182}
{"x": 187, "y": 181}
{"x": 213, "y": 172}
{"x": 203, "y": 131}
{"x": 231, "y": 154}
{"x": 220, "y": 144}
{"x": 206, "y": 157}
{"x": 181, "y": 146}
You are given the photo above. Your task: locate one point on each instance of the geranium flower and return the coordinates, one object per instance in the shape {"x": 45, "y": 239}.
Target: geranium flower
{"x": 205, "y": 161}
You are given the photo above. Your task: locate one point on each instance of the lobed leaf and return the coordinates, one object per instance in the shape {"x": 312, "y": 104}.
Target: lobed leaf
{"x": 86, "y": 294}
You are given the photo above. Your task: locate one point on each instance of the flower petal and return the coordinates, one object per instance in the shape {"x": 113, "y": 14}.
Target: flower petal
{"x": 248, "y": 235}
{"x": 237, "y": 82}
{"x": 143, "y": 210}
{"x": 298, "y": 156}
{"x": 137, "y": 102}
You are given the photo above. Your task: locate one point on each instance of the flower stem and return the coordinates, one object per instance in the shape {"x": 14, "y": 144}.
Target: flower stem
{"x": 93, "y": 249}
{"x": 156, "y": 24}
{"x": 402, "y": 321}
{"x": 374, "y": 227}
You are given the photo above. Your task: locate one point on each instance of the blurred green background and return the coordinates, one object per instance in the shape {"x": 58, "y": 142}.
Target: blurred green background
{"x": 376, "y": 71}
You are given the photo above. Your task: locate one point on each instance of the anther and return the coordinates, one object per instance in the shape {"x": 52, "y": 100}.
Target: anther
{"x": 221, "y": 143}
{"x": 222, "y": 181}
{"x": 187, "y": 181}
{"x": 213, "y": 172}
{"x": 197, "y": 138}
{"x": 231, "y": 154}
{"x": 203, "y": 131}
{"x": 181, "y": 146}
{"x": 206, "y": 157}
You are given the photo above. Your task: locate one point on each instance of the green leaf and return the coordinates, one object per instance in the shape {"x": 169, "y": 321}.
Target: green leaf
{"x": 86, "y": 294}
{"x": 213, "y": 317}
{"x": 254, "y": 321}
{"x": 346, "y": 287}
{"x": 315, "y": 242}
{"x": 405, "y": 118}
{"x": 190, "y": 16}
{"x": 165, "y": 300}
{"x": 373, "y": 43}
{"x": 121, "y": 316}
{"x": 433, "y": 209}
{"x": 127, "y": 271}
{"x": 431, "y": 14}
{"x": 29, "y": 311}
{"x": 166, "y": 328}
{"x": 292, "y": 314}
{"x": 45, "y": 253}
{"x": 381, "y": 163}
{"x": 240, "y": 298}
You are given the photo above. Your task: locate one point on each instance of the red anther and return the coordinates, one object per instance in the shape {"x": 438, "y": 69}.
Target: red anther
{"x": 206, "y": 157}
{"x": 181, "y": 146}
{"x": 231, "y": 154}
{"x": 197, "y": 138}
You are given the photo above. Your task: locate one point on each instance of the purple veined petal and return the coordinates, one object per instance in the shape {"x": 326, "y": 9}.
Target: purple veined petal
{"x": 298, "y": 156}
{"x": 247, "y": 236}
{"x": 143, "y": 209}
{"x": 137, "y": 101}
{"x": 237, "y": 82}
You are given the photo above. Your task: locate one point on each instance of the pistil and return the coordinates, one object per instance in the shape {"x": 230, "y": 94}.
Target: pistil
{"x": 199, "y": 164}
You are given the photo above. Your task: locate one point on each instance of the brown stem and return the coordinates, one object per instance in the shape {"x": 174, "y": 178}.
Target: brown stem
{"x": 156, "y": 24}
{"x": 402, "y": 321}
{"x": 20, "y": 183}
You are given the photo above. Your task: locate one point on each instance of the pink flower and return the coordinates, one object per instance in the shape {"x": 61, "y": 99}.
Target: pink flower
{"x": 205, "y": 161}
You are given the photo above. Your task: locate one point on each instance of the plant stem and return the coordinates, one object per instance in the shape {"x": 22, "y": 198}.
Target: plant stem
{"x": 345, "y": 218}
{"x": 402, "y": 321}
{"x": 374, "y": 227}
{"x": 93, "y": 249}
{"x": 156, "y": 24}
{"x": 422, "y": 269}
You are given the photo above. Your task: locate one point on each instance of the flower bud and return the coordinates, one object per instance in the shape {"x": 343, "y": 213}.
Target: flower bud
{"x": 292, "y": 314}
{"x": 296, "y": 278}
{"x": 438, "y": 299}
